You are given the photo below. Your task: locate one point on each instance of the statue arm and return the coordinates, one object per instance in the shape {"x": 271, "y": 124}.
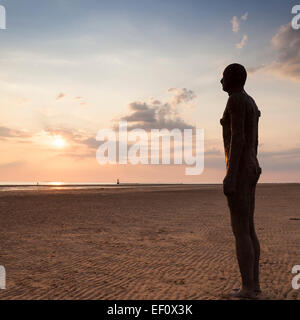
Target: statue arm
{"x": 236, "y": 109}
{"x": 237, "y": 116}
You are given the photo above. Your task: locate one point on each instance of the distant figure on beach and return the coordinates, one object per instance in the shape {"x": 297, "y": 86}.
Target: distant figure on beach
{"x": 118, "y": 181}
{"x": 240, "y": 135}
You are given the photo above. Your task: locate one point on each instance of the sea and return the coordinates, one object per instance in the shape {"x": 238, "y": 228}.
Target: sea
{"x": 50, "y": 185}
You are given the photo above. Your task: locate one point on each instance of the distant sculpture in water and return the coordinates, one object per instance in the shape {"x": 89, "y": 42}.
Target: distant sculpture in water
{"x": 240, "y": 135}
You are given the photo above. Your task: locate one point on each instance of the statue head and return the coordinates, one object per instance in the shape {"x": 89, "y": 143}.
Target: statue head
{"x": 234, "y": 77}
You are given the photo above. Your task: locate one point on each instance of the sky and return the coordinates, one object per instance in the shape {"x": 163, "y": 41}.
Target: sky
{"x": 69, "y": 68}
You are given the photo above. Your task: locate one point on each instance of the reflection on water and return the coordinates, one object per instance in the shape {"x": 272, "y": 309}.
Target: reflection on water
{"x": 53, "y": 185}
{"x": 56, "y": 183}
{"x": 49, "y": 185}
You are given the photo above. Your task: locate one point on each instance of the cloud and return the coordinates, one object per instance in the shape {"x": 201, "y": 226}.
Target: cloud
{"x": 141, "y": 112}
{"x": 294, "y": 152}
{"x": 78, "y": 156}
{"x": 12, "y": 165}
{"x": 285, "y": 160}
{"x": 145, "y": 115}
{"x": 159, "y": 115}
{"x": 243, "y": 42}
{"x": 244, "y": 17}
{"x": 75, "y": 139}
{"x": 235, "y": 24}
{"x": 153, "y": 114}
{"x": 6, "y": 132}
{"x": 90, "y": 142}
{"x": 181, "y": 95}
{"x": 286, "y": 45}
{"x": 60, "y": 96}
{"x": 257, "y": 68}
{"x": 80, "y": 144}
{"x": 64, "y": 132}
{"x": 80, "y": 100}
{"x": 281, "y": 160}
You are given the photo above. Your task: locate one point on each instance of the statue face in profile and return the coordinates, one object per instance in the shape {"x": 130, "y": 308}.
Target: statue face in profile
{"x": 226, "y": 81}
{"x": 234, "y": 77}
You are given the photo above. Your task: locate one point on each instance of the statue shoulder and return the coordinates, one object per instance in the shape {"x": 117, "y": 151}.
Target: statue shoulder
{"x": 237, "y": 102}
{"x": 254, "y": 106}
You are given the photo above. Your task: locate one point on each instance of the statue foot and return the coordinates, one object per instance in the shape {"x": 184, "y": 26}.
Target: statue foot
{"x": 244, "y": 293}
{"x": 257, "y": 289}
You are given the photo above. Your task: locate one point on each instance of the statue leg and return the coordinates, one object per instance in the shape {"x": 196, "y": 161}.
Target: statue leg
{"x": 240, "y": 210}
{"x": 255, "y": 241}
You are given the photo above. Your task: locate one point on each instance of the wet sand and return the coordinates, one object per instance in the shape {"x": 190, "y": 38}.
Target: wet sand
{"x": 141, "y": 243}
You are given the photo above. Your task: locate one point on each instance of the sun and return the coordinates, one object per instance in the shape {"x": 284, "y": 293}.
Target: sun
{"x": 59, "y": 142}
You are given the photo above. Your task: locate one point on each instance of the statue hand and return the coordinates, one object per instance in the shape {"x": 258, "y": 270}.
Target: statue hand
{"x": 229, "y": 185}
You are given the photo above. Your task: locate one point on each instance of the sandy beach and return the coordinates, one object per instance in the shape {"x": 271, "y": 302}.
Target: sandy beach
{"x": 141, "y": 243}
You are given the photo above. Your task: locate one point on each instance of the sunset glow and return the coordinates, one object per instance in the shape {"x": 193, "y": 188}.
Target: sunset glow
{"x": 59, "y": 142}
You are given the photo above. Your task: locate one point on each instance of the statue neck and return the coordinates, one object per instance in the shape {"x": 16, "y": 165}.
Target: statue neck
{"x": 236, "y": 90}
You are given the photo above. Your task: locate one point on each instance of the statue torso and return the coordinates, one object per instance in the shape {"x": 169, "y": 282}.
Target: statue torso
{"x": 248, "y": 161}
